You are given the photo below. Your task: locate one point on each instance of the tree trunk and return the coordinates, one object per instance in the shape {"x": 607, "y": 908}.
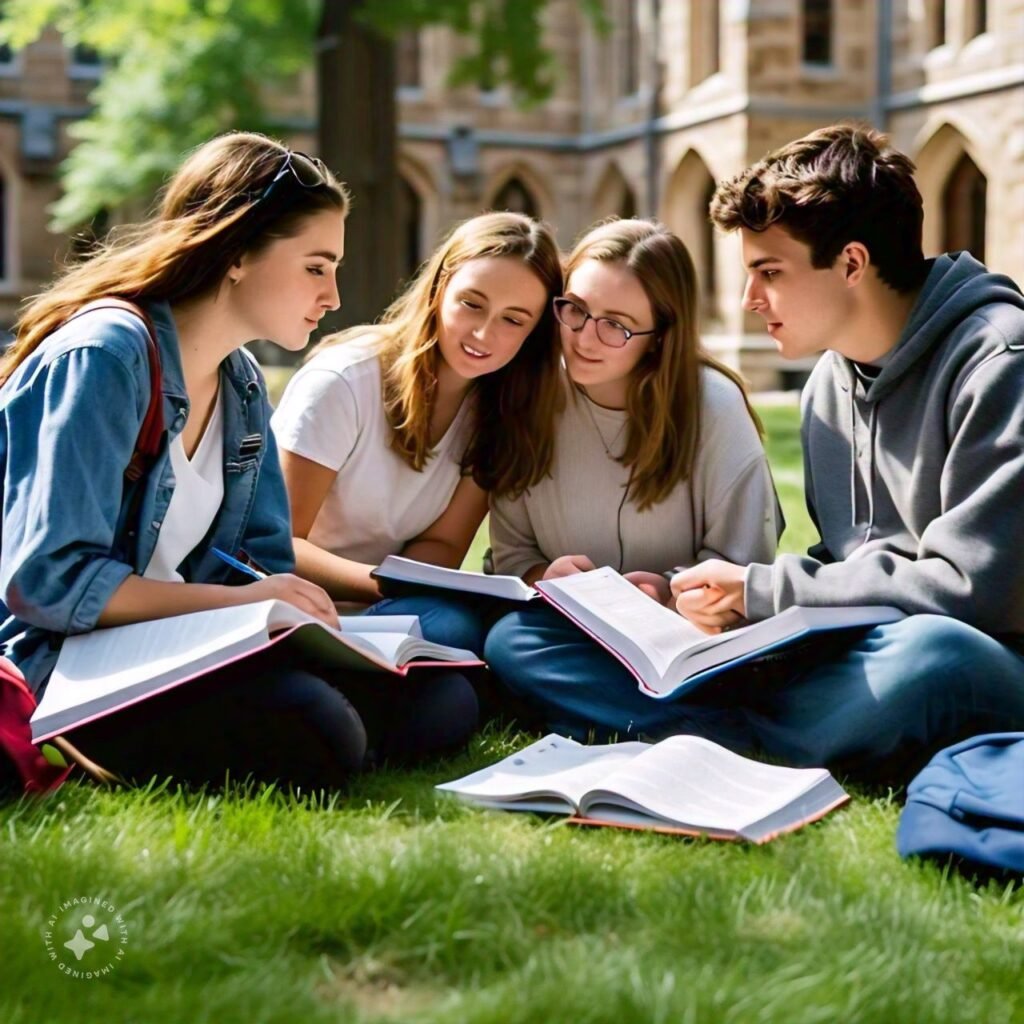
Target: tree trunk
{"x": 358, "y": 129}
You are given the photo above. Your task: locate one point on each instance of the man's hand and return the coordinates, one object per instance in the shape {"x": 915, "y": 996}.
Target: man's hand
{"x": 653, "y": 584}
{"x": 568, "y": 565}
{"x": 710, "y": 595}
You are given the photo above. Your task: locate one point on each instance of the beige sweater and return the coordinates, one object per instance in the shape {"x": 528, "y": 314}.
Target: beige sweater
{"x": 727, "y": 509}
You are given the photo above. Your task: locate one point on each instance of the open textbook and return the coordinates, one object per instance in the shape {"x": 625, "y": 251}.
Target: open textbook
{"x": 667, "y": 654}
{"x": 399, "y": 575}
{"x": 682, "y": 784}
{"x": 107, "y": 669}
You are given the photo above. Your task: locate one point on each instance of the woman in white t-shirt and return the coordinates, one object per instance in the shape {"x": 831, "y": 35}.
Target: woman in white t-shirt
{"x": 393, "y": 435}
{"x": 658, "y": 463}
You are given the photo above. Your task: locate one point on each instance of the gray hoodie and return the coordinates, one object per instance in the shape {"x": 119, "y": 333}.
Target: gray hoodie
{"x": 915, "y": 479}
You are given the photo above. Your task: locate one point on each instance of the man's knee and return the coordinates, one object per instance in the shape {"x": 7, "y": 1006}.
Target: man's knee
{"x": 943, "y": 680}
{"x": 938, "y": 652}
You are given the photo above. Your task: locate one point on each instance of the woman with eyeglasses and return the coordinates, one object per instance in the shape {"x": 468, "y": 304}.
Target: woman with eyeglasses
{"x": 393, "y": 435}
{"x": 658, "y": 463}
{"x": 139, "y": 349}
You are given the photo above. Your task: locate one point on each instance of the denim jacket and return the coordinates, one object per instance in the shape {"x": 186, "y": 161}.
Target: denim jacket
{"x": 69, "y": 420}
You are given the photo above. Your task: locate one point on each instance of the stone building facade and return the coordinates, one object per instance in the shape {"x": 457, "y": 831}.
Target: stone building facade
{"x": 644, "y": 120}
{"x": 43, "y": 89}
{"x": 682, "y": 93}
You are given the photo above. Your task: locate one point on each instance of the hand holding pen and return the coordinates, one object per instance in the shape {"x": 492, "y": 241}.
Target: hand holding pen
{"x": 283, "y": 586}
{"x": 246, "y": 568}
{"x": 711, "y": 595}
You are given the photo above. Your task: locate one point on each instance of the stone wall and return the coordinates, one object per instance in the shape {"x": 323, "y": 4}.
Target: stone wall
{"x": 644, "y": 120}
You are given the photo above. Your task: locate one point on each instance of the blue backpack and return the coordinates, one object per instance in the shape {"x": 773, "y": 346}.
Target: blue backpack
{"x": 968, "y": 801}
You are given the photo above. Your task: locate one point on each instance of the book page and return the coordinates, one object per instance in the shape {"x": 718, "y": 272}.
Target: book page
{"x": 105, "y": 661}
{"x": 511, "y": 588}
{"x": 551, "y": 766}
{"x": 610, "y": 606}
{"x": 426, "y": 650}
{"x": 408, "y": 625}
{"x": 397, "y": 649}
{"x": 387, "y": 646}
{"x": 686, "y": 780}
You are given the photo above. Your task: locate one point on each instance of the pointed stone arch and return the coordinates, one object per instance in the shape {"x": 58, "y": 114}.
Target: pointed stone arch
{"x": 515, "y": 196}
{"x": 418, "y": 213}
{"x": 410, "y": 227}
{"x": 964, "y": 201}
{"x": 952, "y": 180}
{"x": 519, "y": 188}
{"x": 614, "y": 196}
{"x": 685, "y": 211}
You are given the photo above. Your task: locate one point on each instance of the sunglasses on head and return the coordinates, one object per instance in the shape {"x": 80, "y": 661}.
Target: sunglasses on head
{"x": 308, "y": 171}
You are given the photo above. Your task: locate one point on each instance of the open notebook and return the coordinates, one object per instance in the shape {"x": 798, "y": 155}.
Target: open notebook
{"x": 667, "y": 654}
{"x": 99, "y": 672}
{"x": 683, "y": 784}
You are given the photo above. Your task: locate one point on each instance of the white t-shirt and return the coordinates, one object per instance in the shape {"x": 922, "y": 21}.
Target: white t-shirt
{"x": 332, "y": 413}
{"x": 197, "y": 497}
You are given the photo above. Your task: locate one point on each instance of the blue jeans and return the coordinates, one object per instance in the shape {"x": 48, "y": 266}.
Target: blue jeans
{"x": 875, "y": 703}
{"x": 455, "y": 621}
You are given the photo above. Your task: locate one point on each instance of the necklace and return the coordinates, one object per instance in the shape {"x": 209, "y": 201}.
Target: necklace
{"x": 606, "y": 445}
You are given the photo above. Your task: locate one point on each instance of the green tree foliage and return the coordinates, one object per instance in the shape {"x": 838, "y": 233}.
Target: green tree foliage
{"x": 507, "y": 38}
{"x": 179, "y": 71}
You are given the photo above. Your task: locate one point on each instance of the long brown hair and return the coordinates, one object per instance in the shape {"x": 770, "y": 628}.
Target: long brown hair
{"x": 512, "y": 443}
{"x": 663, "y": 398}
{"x": 217, "y": 207}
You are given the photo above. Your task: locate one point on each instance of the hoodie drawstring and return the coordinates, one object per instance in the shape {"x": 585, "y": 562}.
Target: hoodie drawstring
{"x": 853, "y": 460}
{"x": 869, "y": 481}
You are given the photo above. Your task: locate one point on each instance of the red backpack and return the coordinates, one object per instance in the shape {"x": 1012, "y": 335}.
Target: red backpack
{"x": 17, "y": 751}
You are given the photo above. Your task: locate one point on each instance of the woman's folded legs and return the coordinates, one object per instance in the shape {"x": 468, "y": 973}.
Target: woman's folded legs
{"x": 270, "y": 723}
{"x": 407, "y": 718}
{"x": 301, "y": 726}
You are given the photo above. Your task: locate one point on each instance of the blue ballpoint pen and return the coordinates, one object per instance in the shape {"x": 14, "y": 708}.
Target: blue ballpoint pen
{"x": 240, "y": 566}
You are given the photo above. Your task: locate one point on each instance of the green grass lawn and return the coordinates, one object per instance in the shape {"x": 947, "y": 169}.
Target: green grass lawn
{"x": 398, "y": 905}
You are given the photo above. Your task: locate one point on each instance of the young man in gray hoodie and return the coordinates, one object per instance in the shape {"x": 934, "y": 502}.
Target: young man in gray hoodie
{"x": 913, "y": 437}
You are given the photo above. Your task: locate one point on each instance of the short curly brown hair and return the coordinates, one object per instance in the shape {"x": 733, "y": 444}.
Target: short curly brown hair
{"x": 840, "y": 184}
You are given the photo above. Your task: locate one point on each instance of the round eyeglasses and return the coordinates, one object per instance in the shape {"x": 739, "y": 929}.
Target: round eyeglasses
{"x": 609, "y": 332}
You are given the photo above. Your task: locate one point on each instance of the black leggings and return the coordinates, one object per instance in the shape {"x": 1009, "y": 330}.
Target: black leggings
{"x": 304, "y": 727}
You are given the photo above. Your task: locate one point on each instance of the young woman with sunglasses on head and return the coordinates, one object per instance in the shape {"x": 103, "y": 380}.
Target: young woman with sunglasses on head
{"x": 658, "y": 463}
{"x": 245, "y": 245}
{"x": 393, "y": 435}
